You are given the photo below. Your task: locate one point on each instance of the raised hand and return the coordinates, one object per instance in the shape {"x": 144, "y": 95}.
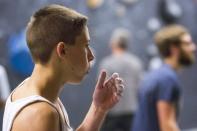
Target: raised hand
{"x": 107, "y": 92}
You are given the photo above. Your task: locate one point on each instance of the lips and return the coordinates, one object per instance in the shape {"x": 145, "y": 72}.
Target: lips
{"x": 88, "y": 70}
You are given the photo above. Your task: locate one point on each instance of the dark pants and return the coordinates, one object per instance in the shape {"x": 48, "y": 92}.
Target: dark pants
{"x": 118, "y": 122}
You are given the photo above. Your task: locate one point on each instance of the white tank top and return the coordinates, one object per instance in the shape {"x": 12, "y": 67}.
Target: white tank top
{"x": 12, "y": 109}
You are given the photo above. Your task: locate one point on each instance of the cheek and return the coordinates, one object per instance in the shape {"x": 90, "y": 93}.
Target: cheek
{"x": 187, "y": 53}
{"x": 85, "y": 56}
{"x": 81, "y": 59}
{"x": 190, "y": 48}
{"x": 186, "y": 49}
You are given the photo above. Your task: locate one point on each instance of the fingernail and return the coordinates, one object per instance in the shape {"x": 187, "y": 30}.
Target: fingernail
{"x": 115, "y": 75}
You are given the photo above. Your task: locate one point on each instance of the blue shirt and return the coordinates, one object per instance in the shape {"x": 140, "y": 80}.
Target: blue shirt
{"x": 161, "y": 84}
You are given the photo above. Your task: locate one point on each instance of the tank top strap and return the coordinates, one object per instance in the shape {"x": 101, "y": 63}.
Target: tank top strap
{"x": 13, "y": 108}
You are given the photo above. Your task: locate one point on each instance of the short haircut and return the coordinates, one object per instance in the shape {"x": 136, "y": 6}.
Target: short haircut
{"x": 167, "y": 37}
{"x": 51, "y": 25}
{"x": 120, "y": 38}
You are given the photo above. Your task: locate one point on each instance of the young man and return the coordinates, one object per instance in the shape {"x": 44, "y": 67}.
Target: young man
{"x": 58, "y": 40}
{"x": 130, "y": 68}
{"x": 160, "y": 91}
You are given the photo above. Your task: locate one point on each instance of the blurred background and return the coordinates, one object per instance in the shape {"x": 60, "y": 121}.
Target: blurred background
{"x": 142, "y": 17}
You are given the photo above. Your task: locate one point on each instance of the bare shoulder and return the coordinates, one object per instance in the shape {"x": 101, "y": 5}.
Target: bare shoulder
{"x": 39, "y": 116}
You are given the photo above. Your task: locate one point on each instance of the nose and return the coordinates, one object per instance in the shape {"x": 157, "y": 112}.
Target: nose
{"x": 90, "y": 55}
{"x": 194, "y": 47}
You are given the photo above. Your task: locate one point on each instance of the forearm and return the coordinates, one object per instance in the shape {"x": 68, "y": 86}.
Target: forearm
{"x": 93, "y": 119}
{"x": 170, "y": 126}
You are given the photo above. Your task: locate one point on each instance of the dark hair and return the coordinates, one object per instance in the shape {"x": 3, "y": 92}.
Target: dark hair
{"x": 51, "y": 25}
{"x": 167, "y": 37}
{"x": 120, "y": 38}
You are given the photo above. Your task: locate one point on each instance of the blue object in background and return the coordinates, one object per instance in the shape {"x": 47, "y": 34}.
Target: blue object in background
{"x": 19, "y": 55}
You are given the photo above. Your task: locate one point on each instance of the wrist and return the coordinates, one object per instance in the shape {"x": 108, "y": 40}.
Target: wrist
{"x": 99, "y": 109}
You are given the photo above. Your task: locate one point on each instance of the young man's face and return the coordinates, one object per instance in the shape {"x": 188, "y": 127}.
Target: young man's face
{"x": 187, "y": 49}
{"x": 80, "y": 56}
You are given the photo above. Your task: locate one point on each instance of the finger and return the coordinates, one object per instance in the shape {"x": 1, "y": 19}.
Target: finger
{"x": 120, "y": 89}
{"x": 119, "y": 80}
{"x": 101, "y": 79}
{"x": 115, "y": 75}
{"x": 109, "y": 82}
{"x": 116, "y": 98}
{"x": 114, "y": 88}
{"x": 120, "y": 94}
{"x": 112, "y": 78}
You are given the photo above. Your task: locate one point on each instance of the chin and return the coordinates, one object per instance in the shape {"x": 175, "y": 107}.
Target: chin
{"x": 186, "y": 59}
{"x": 76, "y": 81}
{"x": 187, "y": 63}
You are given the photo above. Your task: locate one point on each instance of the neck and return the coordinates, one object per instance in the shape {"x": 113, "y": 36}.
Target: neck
{"x": 45, "y": 82}
{"x": 118, "y": 51}
{"x": 173, "y": 62}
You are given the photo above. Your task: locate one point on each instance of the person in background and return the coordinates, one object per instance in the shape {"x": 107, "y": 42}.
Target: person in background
{"x": 160, "y": 91}
{"x": 130, "y": 69}
{"x": 4, "y": 87}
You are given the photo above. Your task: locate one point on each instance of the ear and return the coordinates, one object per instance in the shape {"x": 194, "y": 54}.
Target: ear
{"x": 61, "y": 49}
{"x": 175, "y": 50}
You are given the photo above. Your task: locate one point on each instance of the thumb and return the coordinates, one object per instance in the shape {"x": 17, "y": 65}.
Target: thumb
{"x": 101, "y": 79}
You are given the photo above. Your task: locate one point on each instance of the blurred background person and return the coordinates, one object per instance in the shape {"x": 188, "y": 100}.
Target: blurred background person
{"x": 4, "y": 87}
{"x": 4, "y": 90}
{"x": 93, "y": 4}
{"x": 130, "y": 68}
{"x": 160, "y": 92}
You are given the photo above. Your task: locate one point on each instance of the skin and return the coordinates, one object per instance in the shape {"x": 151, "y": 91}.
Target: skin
{"x": 2, "y": 104}
{"x": 117, "y": 50}
{"x": 68, "y": 65}
{"x": 166, "y": 111}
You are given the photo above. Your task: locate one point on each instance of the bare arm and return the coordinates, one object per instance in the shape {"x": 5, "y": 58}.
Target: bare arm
{"x": 93, "y": 119}
{"x": 2, "y": 104}
{"x": 167, "y": 116}
{"x": 37, "y": 117}
{"x": 106, "y": 95}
